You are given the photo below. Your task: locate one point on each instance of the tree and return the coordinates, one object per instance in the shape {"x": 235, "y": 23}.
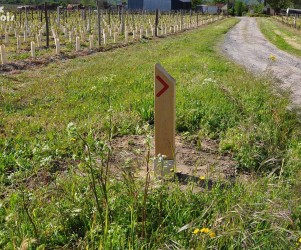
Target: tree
{"x": 279, "y": 4}
{"x": 195, "y": 3}
{"x": 258, "y": 9}
{"x": 219, "y": 1}
{"x": 88, "y": 2}
{"x": 240, "y": 7}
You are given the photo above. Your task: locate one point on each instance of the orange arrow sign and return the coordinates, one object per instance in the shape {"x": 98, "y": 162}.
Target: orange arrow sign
{"x": 165, "y": 86}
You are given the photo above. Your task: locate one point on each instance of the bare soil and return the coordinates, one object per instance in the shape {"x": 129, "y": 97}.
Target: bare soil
{"x": 202, "y": 163}
{"x": 246, "y": 45}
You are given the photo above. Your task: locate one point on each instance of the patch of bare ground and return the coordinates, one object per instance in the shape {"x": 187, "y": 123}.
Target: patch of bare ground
{"x": 35, "y": 63}
{"x": 203, "y": 165}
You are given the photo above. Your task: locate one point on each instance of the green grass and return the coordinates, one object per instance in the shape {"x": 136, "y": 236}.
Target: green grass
{"x": 284, "y": 37}
{"x": 55, "y": 190}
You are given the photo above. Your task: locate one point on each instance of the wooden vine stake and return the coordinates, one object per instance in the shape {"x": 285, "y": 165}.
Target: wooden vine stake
{"x": 57, "y": 46}
{"x": 47, "y": 25}
{"x": 91, "y": 42}
{"x": 18, "y": 43}
{"x": 33, "y": 49}
{"x": 99, "y": 5}
{"x": 3, "y": 54}
{"x": 77, "y": 44}
{"x": 165, "y": 114}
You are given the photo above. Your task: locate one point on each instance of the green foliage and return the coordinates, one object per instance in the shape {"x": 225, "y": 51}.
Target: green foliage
{"x": 258, "y": 9}
{"x": 281, "y": 35}
{"x": 195, "y": 3}
{"x": 239, "y": 7}
{"x": 279, "y": 4}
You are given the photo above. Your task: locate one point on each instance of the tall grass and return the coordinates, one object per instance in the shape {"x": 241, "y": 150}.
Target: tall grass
{"x": 284, "y": 37}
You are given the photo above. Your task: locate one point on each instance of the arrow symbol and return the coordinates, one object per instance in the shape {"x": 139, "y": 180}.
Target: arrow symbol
{"x": 165, "y": 86}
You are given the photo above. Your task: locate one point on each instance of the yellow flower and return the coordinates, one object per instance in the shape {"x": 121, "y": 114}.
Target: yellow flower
{"x": 205, "y": 230}
{"x": 196, "y": 231}
{"x": 299, "y": 240}
{"x": 212, "y": 234}
{"x": 272, "y": 57}
{"x": 73, "y": 139}
{"x": 202, "y": 177}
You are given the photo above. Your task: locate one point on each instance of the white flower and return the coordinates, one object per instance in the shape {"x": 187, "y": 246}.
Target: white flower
{"x": 208, "y": 81}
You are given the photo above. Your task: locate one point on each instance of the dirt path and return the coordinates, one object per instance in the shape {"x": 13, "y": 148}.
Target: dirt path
{"x": 246, "y": 45}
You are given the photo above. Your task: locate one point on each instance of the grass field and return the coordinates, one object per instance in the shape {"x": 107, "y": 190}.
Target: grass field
{"x": 284, "y": 37}
{"x": 56, "y": 127}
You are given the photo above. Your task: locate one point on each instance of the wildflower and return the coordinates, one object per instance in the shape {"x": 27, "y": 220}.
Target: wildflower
{"x": 72, "y": 139}
{"x": 272, "y": 57}
{"x": 205, "y": 230}
{"x": 202, "y": 178}
{"x": 299, "y": 241}
{"x": 212, "y": 234}
{"x": 208, "y": 81}
{"x": 196, "y": 231}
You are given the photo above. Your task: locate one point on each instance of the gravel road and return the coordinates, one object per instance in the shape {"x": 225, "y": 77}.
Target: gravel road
{"x": 246, "y": 45}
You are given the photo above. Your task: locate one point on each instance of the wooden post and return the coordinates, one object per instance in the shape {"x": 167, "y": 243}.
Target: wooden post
{"x": 33, "y": 49}
{"x": 156, "y": 22}
{"x": 77, "y": 44}
{"x": 89, "y": 20}
{"x": 57, "y": 46}
{"x": 126, "y": 36}
{"x": 98, "y": 22}
{"x": 122, "y": 20}
{"x": 141, "y": 33}
{"x": 165, "y": 114}
{"x": 115, "y": 37}
{"x": 41, "y": 15}
{"x": 70, "y": 37}
{"x": 39, "y": 40}
{"x": 104, "y": 39}
{"x": 26, "y": 18}
{"x": 25, "y": 35}
{"x": 58, "y": 16}
{"x": 91, "y": 40}
{"x": 294, "y": 22}
{"x": 3, "y": 54}
{"x": 47, "y": 25}
{"x": 20, "y": 21}
{"x": 109, "y": 16}
{"x": 18, "y": 42}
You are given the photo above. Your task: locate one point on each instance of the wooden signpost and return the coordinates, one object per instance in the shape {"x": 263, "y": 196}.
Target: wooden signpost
{"x": 165, "y": 114}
